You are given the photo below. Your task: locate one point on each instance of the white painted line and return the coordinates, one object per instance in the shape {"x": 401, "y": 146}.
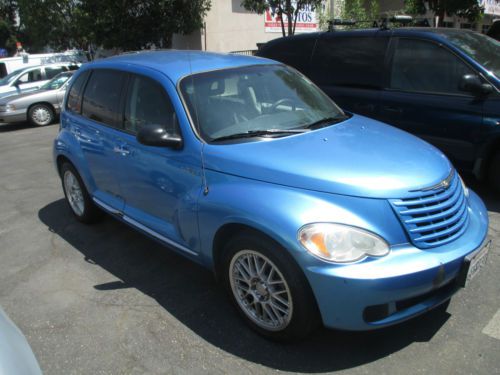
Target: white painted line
{"x": 492, "y": 329}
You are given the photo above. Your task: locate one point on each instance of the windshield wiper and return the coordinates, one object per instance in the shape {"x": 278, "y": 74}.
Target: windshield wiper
{"x": 259, "y": 133}
{"x": 325, "y": 121}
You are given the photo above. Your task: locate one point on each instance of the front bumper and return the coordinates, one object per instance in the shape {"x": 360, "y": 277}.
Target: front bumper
{"x": 19, "y": 115}
{"x": 379, "y": 292}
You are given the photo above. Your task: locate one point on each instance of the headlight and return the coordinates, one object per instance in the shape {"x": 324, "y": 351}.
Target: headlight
{"x": 7, "y": 108}
{"x": 464, "y": 187}
{"x": 341, "y": 243}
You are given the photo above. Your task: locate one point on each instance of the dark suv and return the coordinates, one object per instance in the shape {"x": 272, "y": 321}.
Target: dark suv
{"x": 440, "y": 84}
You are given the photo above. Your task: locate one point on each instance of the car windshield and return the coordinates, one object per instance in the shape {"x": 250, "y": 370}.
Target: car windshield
{"x": 260, "y": 99}
{"x": 10, "y": 77}
{"x": 483, "y": 49}
{"x": 56, "y": 82}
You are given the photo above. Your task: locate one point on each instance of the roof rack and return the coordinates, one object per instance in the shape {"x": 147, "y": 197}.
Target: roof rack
{"x": 385, "y": 23}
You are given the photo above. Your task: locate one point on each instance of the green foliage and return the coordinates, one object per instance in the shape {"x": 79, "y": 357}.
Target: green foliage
{"x": 285, "y": 9}
{"x": 469, "y": 9}
{"x": 364, "y": 12}
{"x": 8, "y": 37}
{"x": 121, "y": 24}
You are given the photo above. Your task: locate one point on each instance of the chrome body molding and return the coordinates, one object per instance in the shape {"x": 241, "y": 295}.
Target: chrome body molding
{"x": 143, "y": 227}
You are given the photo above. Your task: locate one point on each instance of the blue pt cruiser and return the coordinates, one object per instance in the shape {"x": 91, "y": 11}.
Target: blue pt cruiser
{"x": 306, "y": 213}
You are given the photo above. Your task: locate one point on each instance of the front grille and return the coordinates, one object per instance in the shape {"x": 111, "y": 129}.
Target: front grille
{"x": 436, "y": 217}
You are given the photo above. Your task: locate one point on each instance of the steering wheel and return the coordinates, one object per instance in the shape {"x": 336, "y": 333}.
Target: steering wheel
{"x": 279, "y": 102}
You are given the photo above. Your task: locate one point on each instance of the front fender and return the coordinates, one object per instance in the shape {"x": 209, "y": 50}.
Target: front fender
{"x": 280, "y": 211}
{"x": 67, "y": 145}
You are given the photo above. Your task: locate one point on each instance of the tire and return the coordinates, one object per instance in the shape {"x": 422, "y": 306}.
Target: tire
{"x": 77, "y": 196}
{"x": 494, "y": 172}
{"x": 41, "y": 115}
{"x": 271, "y": 293}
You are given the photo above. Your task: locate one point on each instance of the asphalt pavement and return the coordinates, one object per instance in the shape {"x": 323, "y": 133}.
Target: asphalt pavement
{"x": 104, "y": 299}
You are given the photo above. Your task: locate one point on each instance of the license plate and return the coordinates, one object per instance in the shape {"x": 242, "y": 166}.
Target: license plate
{"x": 473, "y": 263}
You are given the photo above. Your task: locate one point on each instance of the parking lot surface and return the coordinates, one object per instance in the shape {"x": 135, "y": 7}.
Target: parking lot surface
{"x": 104, "y": 299}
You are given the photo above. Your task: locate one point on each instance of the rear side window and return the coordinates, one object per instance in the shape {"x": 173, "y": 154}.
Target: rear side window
{"x": 102, "y": 96}
{"x": 51, "y": 72}
{"x": 74, "y": 102}
{"x": 295, "y": 52}
{"x": 147, "y": 104}
{"x": 422, "y": 66}
{"x": 350, "y": 61}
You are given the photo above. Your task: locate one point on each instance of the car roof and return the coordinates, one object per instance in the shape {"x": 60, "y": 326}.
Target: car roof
{"x": 425, "y": 32}
{"x": 176, "y": 64}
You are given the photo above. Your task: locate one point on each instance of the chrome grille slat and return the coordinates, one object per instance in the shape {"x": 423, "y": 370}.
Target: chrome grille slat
{"x": 434, "y": 217}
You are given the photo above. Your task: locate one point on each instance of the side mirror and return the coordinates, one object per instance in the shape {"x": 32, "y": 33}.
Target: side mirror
{"x": 472, "y": 83}
{"x": 157, "y": 135}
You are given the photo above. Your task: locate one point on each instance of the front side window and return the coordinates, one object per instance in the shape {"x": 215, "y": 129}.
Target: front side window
{"x": 56, "y": 82}
{"x": 147, "y": 104}
{"x": 31, "y": 76}
{"x": 102, "y": 96}
{"x": 262, "y": 98}
{"x": 421, "y": 66}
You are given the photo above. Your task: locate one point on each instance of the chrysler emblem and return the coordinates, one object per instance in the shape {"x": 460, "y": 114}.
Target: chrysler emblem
{"x": 443, "y": 184}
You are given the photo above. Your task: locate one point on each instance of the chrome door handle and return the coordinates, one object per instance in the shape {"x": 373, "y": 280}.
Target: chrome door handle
{"x": 121, "y": 150}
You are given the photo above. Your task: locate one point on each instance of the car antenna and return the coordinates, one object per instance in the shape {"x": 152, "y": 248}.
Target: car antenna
{"x": 197, "y": 124}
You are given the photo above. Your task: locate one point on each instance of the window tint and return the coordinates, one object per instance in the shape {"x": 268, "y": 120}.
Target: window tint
{"x": 295, "y": 52}
{"x": 74, "y": 102}
{"x": 102, "y": 96}
{"x": 426, "y": 67}
{"x": 51, "y": 72}
{"x": 146, "y": 104}
{"x": 350, "y": 61}
{"x": 31, "y": 76}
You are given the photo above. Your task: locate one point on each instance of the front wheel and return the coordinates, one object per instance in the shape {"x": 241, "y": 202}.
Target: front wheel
{"x": 268, "y": 288}
{"x": 41, "y": 115}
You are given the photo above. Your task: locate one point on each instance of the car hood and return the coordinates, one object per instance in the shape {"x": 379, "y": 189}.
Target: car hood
{"x": 358, "y": 157}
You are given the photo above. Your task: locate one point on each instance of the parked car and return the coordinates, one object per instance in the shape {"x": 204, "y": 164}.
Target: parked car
{"x": 440, "y": 84}
{"x": 306, "y": 213}
{"x": 494, "y": 30}
{"x": 40, "y": 107}
{"x": 16, "y": 356}
{"x": 30, "y": 79}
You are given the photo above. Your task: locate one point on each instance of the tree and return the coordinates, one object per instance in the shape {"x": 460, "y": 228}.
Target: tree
{"x": 8, "y": 38}
{"x": 136, "y": 24}
{"x": 469, "y": 9}
{"x": 288, "y": 9}
{"x": 120, "y": 24}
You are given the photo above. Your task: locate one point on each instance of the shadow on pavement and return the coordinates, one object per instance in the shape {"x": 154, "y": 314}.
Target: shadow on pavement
{"x": 4, "y": 128}
{"x": 190, "y": 294}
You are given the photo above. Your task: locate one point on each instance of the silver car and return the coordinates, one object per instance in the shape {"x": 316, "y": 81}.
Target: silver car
{"x": 40, "y": 107}
{"x": 16, "y": 356}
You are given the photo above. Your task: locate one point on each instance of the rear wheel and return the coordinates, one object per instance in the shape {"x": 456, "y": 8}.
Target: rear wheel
{"x": 41, "y": 115}
{"x": 268, "y": 288}
{"x": 494, "y": 172}
{"x": 77, "y": 196}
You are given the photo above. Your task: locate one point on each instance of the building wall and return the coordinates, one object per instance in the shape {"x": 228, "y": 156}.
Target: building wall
{"x": 229, "y": 27}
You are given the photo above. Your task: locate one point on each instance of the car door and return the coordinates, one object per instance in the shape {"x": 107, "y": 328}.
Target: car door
{"x": 349, "y": 69}
{"x": 97, "y": 131}
{"x": 423, "y": 97}
{"x": 161, "y": 185}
